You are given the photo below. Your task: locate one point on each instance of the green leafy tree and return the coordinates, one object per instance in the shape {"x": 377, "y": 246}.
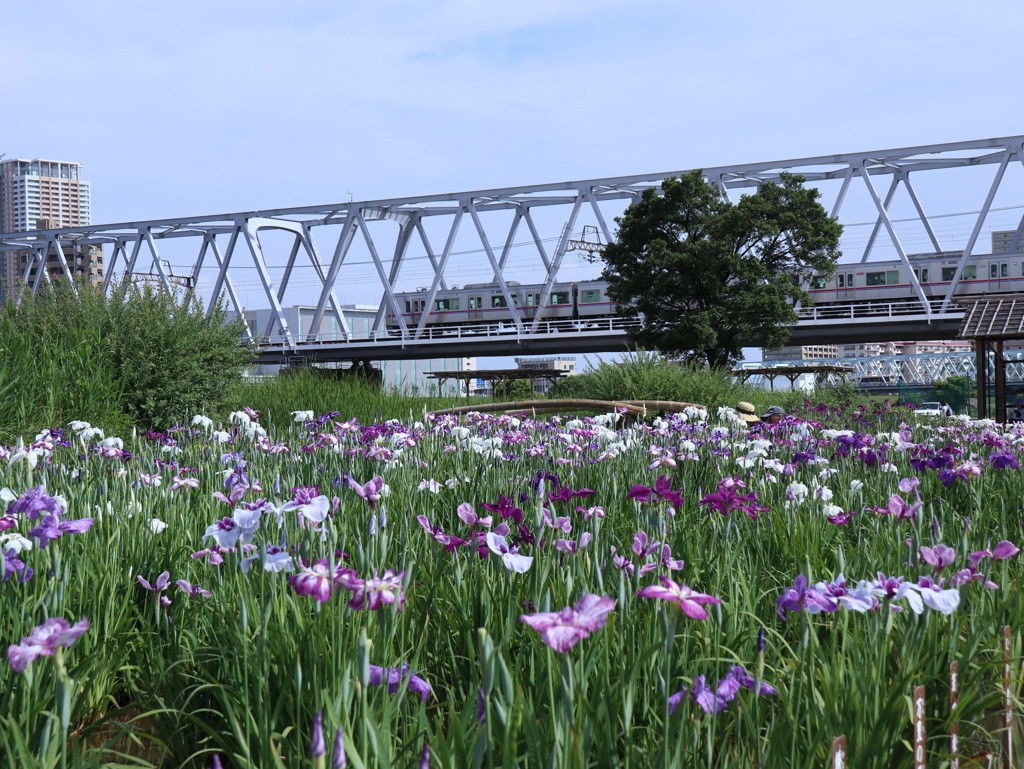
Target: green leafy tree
{"x": 515, "y": 390}
{"x": 956, "y": 391}
{"x": 707, "y": 276}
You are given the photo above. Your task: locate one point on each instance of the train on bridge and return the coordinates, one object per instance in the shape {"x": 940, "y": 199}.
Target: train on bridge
{"x": 859, "y": 283}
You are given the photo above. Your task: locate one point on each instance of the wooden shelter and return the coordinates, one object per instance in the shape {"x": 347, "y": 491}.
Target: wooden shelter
{"x": 989, "y": 321}
{"x": 792, "y": 373}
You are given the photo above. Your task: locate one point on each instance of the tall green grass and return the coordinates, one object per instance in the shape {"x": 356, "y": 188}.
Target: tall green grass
{"x": 243, "y": 673}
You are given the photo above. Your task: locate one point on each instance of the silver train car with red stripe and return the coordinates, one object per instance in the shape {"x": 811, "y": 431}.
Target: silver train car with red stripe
{"x": 485, "y": 304}
{"x": 890, "y": 281}
{"x": 868, "y": 282}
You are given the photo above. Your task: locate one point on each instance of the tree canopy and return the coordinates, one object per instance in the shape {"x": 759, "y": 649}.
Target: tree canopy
{"x": 707, "y": 276}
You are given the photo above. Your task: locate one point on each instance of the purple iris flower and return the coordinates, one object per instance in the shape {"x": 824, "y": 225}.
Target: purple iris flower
{"x": 157, "y": 587}
{"x": 12, "y": 565}
{"x": 44, "y": 640}
{"x": 470, "y": 518}
{"x": 690, "y": 601}
{"x": 425, "y": 755}
{"x": 510, "y": 556}
{"x": 239, "y": 528}
{"x": 395, "y": 676}
{"x": 804, "y": 597}
{"x": 339, "y": 760}
{"x": 1003, "y": 460}
{"x": 234, "y": 496}
{"x": 561, "y": 630}
{"x": 317, "y": 746}
{"x": 36, "y": 502}
{"x": 193, "y": 590}
{"x": 52, "y": 527}
{"x": 309, "y": 503}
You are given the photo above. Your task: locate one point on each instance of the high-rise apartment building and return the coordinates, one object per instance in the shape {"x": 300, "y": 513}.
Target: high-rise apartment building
{"x": 45, "y": 194}
{"x": 42, "y": 189}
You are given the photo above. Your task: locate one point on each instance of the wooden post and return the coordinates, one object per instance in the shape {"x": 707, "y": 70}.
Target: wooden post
{"x": 1007, "y": 698}
{"x": 954, "y": 729}
{"x": 838, "y": 753}
{"x": 920, "y": 760}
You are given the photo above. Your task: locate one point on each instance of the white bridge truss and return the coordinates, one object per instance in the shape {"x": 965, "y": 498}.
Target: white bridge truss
{"x": 371, "y": 250}
{"x": 909, "y": 370}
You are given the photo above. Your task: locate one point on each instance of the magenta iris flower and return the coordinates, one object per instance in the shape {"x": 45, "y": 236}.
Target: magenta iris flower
{"x": 505, "y": 508}
{"x": 727, "y": 499}
{"x": 44, "y": 641}
{"x": 371, "y": 491}
{"x": 315, "y": 580}
{"x": 938, "y": 557}
{"x": 690, "y": 601}
{"x": 373, "y": 592}
{"x": 1004, "y": 550}
{"x": 662, "y": 490}
{"x": 561, "y": 630}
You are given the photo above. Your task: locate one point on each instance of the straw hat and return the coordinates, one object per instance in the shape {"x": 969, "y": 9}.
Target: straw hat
{"x": 747, "y": 412}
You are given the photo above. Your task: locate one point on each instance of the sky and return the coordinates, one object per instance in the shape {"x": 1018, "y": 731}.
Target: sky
{"x": 192, "y": 108}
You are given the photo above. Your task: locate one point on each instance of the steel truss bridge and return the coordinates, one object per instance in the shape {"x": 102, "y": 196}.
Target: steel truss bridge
{"x": 328, "y": 257}
{"x": 921, "y": 370}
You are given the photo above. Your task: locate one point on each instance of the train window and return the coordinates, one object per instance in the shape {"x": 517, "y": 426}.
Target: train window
{"x": 993, "y": 271}
{"x": 1004, "y": 270}
{"x": 474, "y": 303}
{"x": 970, "y": 273}
{"x": 407, "y": 308}
{"x": 590, "y": 295}
{"x": 529, "y": 300}
{"x": 818, "y": 282}
{"x": 515, "y": 299}
{"x": 887, "y": 278}
{"x": 446, "y": 304}
{"x": 841, "y": 281}
{"x": 498, "y": 301}
{"x": 559, "y": 297}
{"x": 922, "y": 274}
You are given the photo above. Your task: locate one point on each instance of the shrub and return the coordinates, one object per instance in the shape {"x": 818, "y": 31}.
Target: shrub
{"x": 141, "y": 354}
{"x": 172, "y": 358}
{"x": 650, "y": 376}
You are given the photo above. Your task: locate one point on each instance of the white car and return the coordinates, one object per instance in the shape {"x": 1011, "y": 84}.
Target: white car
{"x": 930, "y": 409}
